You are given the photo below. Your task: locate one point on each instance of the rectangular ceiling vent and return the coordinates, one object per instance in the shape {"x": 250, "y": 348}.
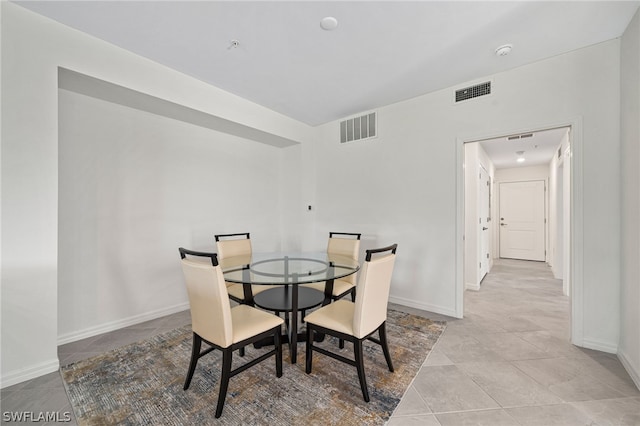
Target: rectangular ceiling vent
{"x": 473, "y": 91}
{"x": 516, "y": 137}
{"x": 359, "y": 128}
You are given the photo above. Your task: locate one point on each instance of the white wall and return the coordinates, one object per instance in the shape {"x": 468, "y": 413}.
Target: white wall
{"x": 402, "y": 186}
{"x": 629, "y": 350}
{"x": 518, "y": 174}
{"x": 33, "y": 47}
{"x": 133, "y": 186}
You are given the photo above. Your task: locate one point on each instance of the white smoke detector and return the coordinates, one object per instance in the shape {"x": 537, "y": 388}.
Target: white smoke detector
{"x": 504, "y": 50}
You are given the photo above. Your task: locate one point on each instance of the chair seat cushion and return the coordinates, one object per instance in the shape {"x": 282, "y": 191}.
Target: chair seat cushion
{"x": 339, "y": 287}
{"x": 248, "y": 321}
{"x": 237, "y": 291}
{"x": 336, "y": 316}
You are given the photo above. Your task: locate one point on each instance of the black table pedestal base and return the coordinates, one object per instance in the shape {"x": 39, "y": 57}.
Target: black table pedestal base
{"x": 290, "y": 299}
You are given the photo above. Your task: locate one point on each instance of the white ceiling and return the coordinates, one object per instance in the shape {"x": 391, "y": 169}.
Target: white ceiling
{"x": 538, "y": 148}
{"x": 380, "y": 53}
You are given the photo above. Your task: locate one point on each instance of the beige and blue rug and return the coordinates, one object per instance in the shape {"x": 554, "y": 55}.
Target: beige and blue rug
{"x": 141, "y": 384}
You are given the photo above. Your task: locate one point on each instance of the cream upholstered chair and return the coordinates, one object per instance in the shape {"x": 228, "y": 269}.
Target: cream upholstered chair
{"x": 237, "y": 245}
{"x": 342, "y": 244}
{"x": 222, "y": 327}
{"x": 357, "y": 321}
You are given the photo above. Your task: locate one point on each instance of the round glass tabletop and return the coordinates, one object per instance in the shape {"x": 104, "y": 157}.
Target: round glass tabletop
{"x": 286, "y": 268}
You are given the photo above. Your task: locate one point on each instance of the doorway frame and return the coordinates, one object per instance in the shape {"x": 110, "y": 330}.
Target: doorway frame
{"x": 576, "y": 206}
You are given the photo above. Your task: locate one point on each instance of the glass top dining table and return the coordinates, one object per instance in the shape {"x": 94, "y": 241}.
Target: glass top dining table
{"x": 287, "y": 268}
{"x": 285, "y": 271}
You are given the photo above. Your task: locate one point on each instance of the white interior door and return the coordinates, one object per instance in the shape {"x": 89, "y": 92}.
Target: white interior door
{"x": 522, "y": 220}
{"x": 483, "y": 220}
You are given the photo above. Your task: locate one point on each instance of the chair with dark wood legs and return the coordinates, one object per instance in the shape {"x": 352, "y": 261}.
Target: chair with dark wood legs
{"x": 357, "y": 321}
{"x": 222, "y": 327}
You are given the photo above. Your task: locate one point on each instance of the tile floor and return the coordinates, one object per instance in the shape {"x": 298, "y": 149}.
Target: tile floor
{"x": 508, "y": 362}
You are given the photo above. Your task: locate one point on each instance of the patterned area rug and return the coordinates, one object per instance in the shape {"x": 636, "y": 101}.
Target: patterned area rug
{"x": 142, "y": 383}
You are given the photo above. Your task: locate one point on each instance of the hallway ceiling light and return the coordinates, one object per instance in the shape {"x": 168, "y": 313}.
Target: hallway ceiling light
{"x": 329, "y": 23}
{"x": 520, "y": 155}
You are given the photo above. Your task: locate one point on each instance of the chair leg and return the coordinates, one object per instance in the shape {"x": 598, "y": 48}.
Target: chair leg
{"x": 195, "y": 354}
{"x": 341, "y": 343}
{"x": 309, "y": 352}
{"x": 227, "y": 356}
{"x": 278, "y": 347}
{"x": 353, "y": 294}
{"x": 382, "y": 331}
{"x": 357, "y": 348}
{"x": 241, "y": 351}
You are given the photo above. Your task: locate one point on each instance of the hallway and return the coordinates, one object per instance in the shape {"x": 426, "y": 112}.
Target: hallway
{"x": 509, "y": 362}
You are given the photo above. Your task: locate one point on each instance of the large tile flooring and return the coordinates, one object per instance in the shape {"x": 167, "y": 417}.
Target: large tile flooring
{"x": 508, "y": 362}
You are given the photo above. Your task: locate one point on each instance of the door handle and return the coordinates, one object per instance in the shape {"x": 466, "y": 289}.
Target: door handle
{"x": 503, "y": 224}
{"x": 484, "y": 228}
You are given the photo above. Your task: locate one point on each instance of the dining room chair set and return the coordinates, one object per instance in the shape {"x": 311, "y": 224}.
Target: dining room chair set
{"x": 226, "y": 328}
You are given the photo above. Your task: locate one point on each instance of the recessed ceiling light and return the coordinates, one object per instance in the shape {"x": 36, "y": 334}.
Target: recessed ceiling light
{"x": 329, "y": 23}
{"x": 504, "y": 50}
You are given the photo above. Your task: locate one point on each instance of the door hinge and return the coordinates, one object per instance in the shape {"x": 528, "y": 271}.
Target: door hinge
{"x": 480, "y": 265}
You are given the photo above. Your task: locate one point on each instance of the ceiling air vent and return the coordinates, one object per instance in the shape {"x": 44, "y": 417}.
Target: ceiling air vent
{"x": 359, "y": 128}
{"x": 516, "y": 137}
{"x": 473, "y": 91}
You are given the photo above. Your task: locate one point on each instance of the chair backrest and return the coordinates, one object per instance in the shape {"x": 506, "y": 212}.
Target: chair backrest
{"x": 208, "y": 299}
{"x": 198, "y": 256}
{"x": 372, "y": 291}
{"x": 345, "y": 244}
{"x": 230, "y": 245}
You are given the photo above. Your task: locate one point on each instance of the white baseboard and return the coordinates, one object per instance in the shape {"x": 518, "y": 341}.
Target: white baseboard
{"x": 24, "y": 374}
{"x": 633, "y": 371}
{"x": 424, "y": 306}
{"x": 600, "y": 346}
{"x": 116, "y": 325}
{"x": 473, "y": 287}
